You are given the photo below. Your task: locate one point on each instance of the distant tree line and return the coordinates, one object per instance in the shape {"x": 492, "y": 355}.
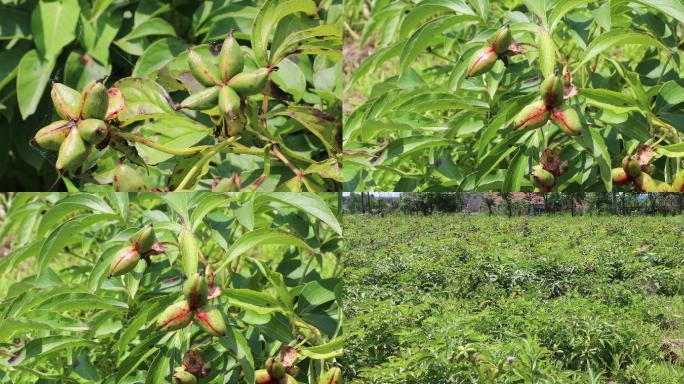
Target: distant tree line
{"x": 515, "y": 204}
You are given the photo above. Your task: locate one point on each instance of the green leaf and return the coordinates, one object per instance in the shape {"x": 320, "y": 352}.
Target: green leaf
{"x": 32, "y": 78}
{"x": 69, "y": 232}
{"x": 268, "y": 17}
{"x": 9, "y": 61}
{"x": 406, "y": 146}
{"x": 373, "y": 62}
{"x": 617, "y": 37}
{"x": 237, "y": 343}
{"x": 143, "y": 97}
{"x": 260, "y": 237}
{"x": 97, "y": 38}
{"x": 426, "y": 35}
{"x": 45, "y": 346}
{"x": 561, "y": 8}
{"x": 139, "y": 354}
{"x": 53, "y": 25}
{"x": 157, "y": 55}
{"x": 673, "y": 150}
{"x": 205, "y": 204}
{"x": 179, "y": 202}
{"x": 428, "y": 8}
{"x": 310, "y": 203}
{"x": 597, "y": 148}
{"x": 245, "y": 214}
{"x": 516, "y": 172}
{"x": 14, "y": 23}
{"x": 672, "y": 8}
{"x": 150, "y": 27}
{"x": 329, "y": 169}
{"x": 334, "y": 348}
{"x": 69, "y": 205}
{"x": 322, "y": 125}
{"x": 175, "y": 131}
{"x": 251, "y": 300}
{"x": 324, "y": 39}
{"x": 615, "y": 101}
{"x": 290, "y": 78}
{"x": 159, "y": 370}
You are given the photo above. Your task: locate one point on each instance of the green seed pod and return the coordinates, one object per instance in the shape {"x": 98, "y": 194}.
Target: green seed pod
{"x": 67, "y": 101}
{"x": 333, "y": 376}
{"x": 541, "y": 178}
{"x": 72, "y": 153}
{"x": 210, "y": 320}
{"x": 547, "y": 52}
{"x": 190, "y": 251}
{"x": 124, "y": 262}
{"x": 52, "y": 136}
{"x": 551, "y": 90}
{"x": 501, "y": 40}
{"x": 231, "y": 59}
{"x": 175, "y": 316}
{"x": 620, "y": 177}
{"x": 229, "y": 101}
{"x": 225, "y": 184}
{"x": 195, "y": 291}
{"x": 678, "y": 183}
{"x": 262, "y": 377}
{"x": 235, "y": 124}
{"x": 482, "y": 61}
{"x": 631, "y": 167}
{"x": 568, "y": 119}
{"x": 144, "y": 239}
{"x": 533, "y": 116}
{"x": 202, "y": 100}
{"x": 203, "y": 70}
{"x": 645, "y": 183}
{"x": 181, "y": 376}
{"x": 662, "y": 186}
{"x": 92, "y": 130}
{"x": 95, "y": 101}
{"x": 250, "y": 83}
{"x": 287, "y": 379}
{"x": 275, "y": 368}
{"x": 127, "y": 179}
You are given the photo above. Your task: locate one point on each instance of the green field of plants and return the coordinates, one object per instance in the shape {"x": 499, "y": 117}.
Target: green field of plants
{"x": 491, "y": 299}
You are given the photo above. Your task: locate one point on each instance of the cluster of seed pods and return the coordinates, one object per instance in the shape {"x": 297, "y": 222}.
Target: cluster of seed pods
{"x": 550, "y": 106}
{"x": 276, "y": 372}
{"x": 194, "y": 307}
{"x": 82, "y": 127}
{"x": 193, "y": 368}
{"x": 226, "y": 84}
{"x": 640, "y": 175}
{"x": 544, "y": 175}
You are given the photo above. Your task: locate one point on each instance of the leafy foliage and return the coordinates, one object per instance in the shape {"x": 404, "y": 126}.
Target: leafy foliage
{"x": 427, "y": 119}
{"x": 140, "y": 48}
{"x": 272, "y": 262}
{"x": 488, "y": 299}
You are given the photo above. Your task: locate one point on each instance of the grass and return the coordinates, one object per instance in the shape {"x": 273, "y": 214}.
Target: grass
{"x": 459, "y": 298}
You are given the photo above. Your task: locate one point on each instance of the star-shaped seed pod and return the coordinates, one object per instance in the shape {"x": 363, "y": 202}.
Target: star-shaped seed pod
{"x": 226, "y": 82}
{"x": 194, "y": 307}
{"x": 82, "y": 128}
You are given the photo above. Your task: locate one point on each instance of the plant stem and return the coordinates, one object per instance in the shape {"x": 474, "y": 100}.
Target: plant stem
{"x": 161, "y": 147}
{"x": 207, "y": 157}
{"x": 662, "y": 72}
